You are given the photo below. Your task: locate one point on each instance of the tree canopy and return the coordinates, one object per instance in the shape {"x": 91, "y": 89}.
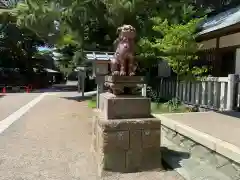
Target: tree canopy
{"x": 72, "y": 26}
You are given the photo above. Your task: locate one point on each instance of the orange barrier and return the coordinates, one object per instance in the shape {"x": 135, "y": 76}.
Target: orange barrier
{"x": 29, "y": 88}
{"x": 6, "y": 89}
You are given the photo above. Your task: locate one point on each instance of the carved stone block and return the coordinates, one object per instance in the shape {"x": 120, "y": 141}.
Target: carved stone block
{"x": 150, "y": 138}
{"x": 109, "y": 141}
{"x": 124, "y": 106}
{"x": 126, "y": 145}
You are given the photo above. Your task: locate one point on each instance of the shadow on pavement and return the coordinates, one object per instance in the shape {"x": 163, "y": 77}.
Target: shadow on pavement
{"x": 232, "y": 114}
{"x": 172, "y": 159}
{"x": 79, "y": 98}
{"x": 53, "y": 90}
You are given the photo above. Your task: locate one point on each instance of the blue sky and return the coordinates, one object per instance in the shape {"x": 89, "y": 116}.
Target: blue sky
{"x": 55, "y": 54}
{"x": 44, "y": 49}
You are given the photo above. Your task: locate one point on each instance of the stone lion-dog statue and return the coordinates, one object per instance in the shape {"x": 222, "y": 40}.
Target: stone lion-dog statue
{"x": 123, "y": 63}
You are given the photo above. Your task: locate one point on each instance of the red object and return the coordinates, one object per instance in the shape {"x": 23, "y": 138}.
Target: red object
{"x": 30, "y": 87}
{"x": 26, "y": 89}
{"x": 3, "y": 90}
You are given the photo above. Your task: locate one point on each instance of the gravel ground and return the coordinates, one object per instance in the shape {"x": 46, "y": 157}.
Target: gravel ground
{"x": 52, "y": 142}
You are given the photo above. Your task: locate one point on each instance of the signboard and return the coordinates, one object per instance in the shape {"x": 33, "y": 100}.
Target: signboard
{"x": 101, "y": 68}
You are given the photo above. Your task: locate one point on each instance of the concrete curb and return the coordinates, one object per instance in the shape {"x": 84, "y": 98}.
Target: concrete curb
{"x": 222, "y": 147}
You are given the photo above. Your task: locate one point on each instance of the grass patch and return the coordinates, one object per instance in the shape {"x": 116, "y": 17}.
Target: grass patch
{"x": 92, "y": 103}
{"x": 162, "y": 107}
{"x": 156, "y": 108}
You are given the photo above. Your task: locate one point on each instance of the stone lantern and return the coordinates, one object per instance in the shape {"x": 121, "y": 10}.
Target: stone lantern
{"x": 100, "y": 64}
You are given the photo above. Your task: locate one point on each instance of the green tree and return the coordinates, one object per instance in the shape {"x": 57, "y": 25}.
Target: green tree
{"x": 92, "y": 24}
{"x": 178, "y": 46}
{"x": 65, "y": 58}
{"x": 217, "y": 5}
{"x": 89, "y": 20}
{"x": 17, "y": 45}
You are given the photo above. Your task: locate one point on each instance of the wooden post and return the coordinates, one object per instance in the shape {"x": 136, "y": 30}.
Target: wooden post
{"x": 209, "y": 94}
{"x": 193, "y": 91}
{"x": 204, "y": 92}
{"x": 231, "y": 91}
{"x": 100, "y": 87}
{"x": 98, "y": 94}
{"x": 197, "y": 95}
{"x": 216, "y": 94}
{"x": 83, "y": 82}
{"x": 79, "y": 80}
{"x": 144, "y": 90}
{"x": 222, "y": 96}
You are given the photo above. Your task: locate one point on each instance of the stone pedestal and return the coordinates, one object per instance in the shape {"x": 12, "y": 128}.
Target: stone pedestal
{"x": 125, "y": 136}
{"x": 124, "y": 106}
{"x": 118, "y": 83}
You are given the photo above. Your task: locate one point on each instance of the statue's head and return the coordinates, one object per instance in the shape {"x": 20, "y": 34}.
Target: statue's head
{"x": 127, "y": 31}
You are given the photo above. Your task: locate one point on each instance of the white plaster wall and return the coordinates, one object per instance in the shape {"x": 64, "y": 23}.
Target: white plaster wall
{"x": 209, "y": 44}
{"x": 164, "y": 69}
{"x": 224, "y": 41}
{"x": 237, "y": 62}
{"x": 229, "y": 40}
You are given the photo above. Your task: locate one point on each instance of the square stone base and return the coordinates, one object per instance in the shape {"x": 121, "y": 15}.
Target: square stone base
{"x": 126, "y": 145}
{"x": 124, "y": 106}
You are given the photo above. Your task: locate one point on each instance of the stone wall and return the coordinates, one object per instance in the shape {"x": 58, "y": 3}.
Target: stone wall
{"x": 202, "y": 154}
{"x": 126, "y": 145}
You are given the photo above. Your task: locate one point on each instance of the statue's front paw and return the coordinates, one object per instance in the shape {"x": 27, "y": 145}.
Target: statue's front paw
{"x": 115, "y": 73}
{"x": 123, "y": 73}
{"x": 131, "y": 73}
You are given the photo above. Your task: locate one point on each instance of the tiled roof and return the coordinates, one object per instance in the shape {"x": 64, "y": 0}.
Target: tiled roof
{"x": 8, "y": 4}
{"x": 104, "y": 56}
{"x": 221, "y": 20}
{"x": 3, "y": 4}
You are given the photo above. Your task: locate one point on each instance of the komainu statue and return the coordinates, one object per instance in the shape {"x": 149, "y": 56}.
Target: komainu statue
{"x": 123, "y": 63}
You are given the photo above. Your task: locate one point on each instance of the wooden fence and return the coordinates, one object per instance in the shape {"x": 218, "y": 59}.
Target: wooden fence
{"x": 219, "y": 93}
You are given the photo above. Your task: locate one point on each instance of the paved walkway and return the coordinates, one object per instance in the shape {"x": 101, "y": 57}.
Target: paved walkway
{"x": 224, "y": 126}
{"x": 52, "y": 142}
{"x": 11, "y": 102}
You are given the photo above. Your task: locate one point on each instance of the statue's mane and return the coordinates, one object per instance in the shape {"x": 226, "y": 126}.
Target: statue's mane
{"x": 124, "y": 28}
